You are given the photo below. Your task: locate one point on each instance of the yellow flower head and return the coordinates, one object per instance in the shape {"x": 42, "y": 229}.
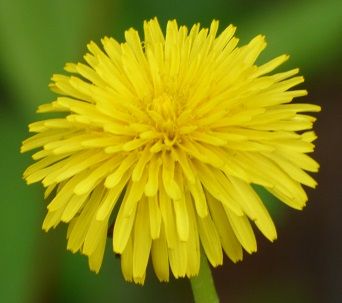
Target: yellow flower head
{"x": 160, "y": 143}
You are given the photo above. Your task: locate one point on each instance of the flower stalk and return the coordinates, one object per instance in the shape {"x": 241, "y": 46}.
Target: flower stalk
{"x": 203, "y": 286}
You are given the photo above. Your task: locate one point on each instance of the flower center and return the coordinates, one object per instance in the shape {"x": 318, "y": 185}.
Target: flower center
{"x": 163, "y": 112}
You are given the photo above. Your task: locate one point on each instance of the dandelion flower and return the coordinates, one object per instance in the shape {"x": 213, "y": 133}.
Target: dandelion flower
{"x": 160, "y": 142}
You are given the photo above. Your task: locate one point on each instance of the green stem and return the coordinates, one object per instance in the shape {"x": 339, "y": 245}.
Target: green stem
{"x": 203, "y": 286}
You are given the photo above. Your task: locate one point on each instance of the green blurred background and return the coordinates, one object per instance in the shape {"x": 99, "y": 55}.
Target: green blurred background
{"x": 38, "y": 36}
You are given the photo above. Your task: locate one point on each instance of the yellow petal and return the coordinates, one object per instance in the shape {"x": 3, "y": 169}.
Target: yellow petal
{"x": 95, "y": 176}
{"x": 141, "y": 240}
{"x": 96, "y": 237}
{"x": 230, "y": 243}
{"x": 210, "y": 240}
{"x": 140, "y": 166}
{"x": 171, "y": 187}
{"x": 180, "y": 208}
{"x": 135, "y": 191}
{"x": 214, "y": 181}
{"x": 243, "y": 231}
{"x": 123, "y": 227}
{"x": 127, "y": 261}
{"x": 114, "y": 178}
{"x": 168, "y": 218}
{"x": 197, "y": 193}
{"x": 111, "y": 198}
{"x": 178, "y": 259}
{"x": 151, "y": 187}
{"x": 255, "y": 208}
{"x": 155, "y": 217}
{"x": 192, "y": 245}
{"x": 81, "y": 224}
{"x": 160, "y": 257}
{"x": 73, "y": 206}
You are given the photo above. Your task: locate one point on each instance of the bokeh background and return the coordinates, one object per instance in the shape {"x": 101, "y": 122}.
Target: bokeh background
{"x": 38, "y": 36}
